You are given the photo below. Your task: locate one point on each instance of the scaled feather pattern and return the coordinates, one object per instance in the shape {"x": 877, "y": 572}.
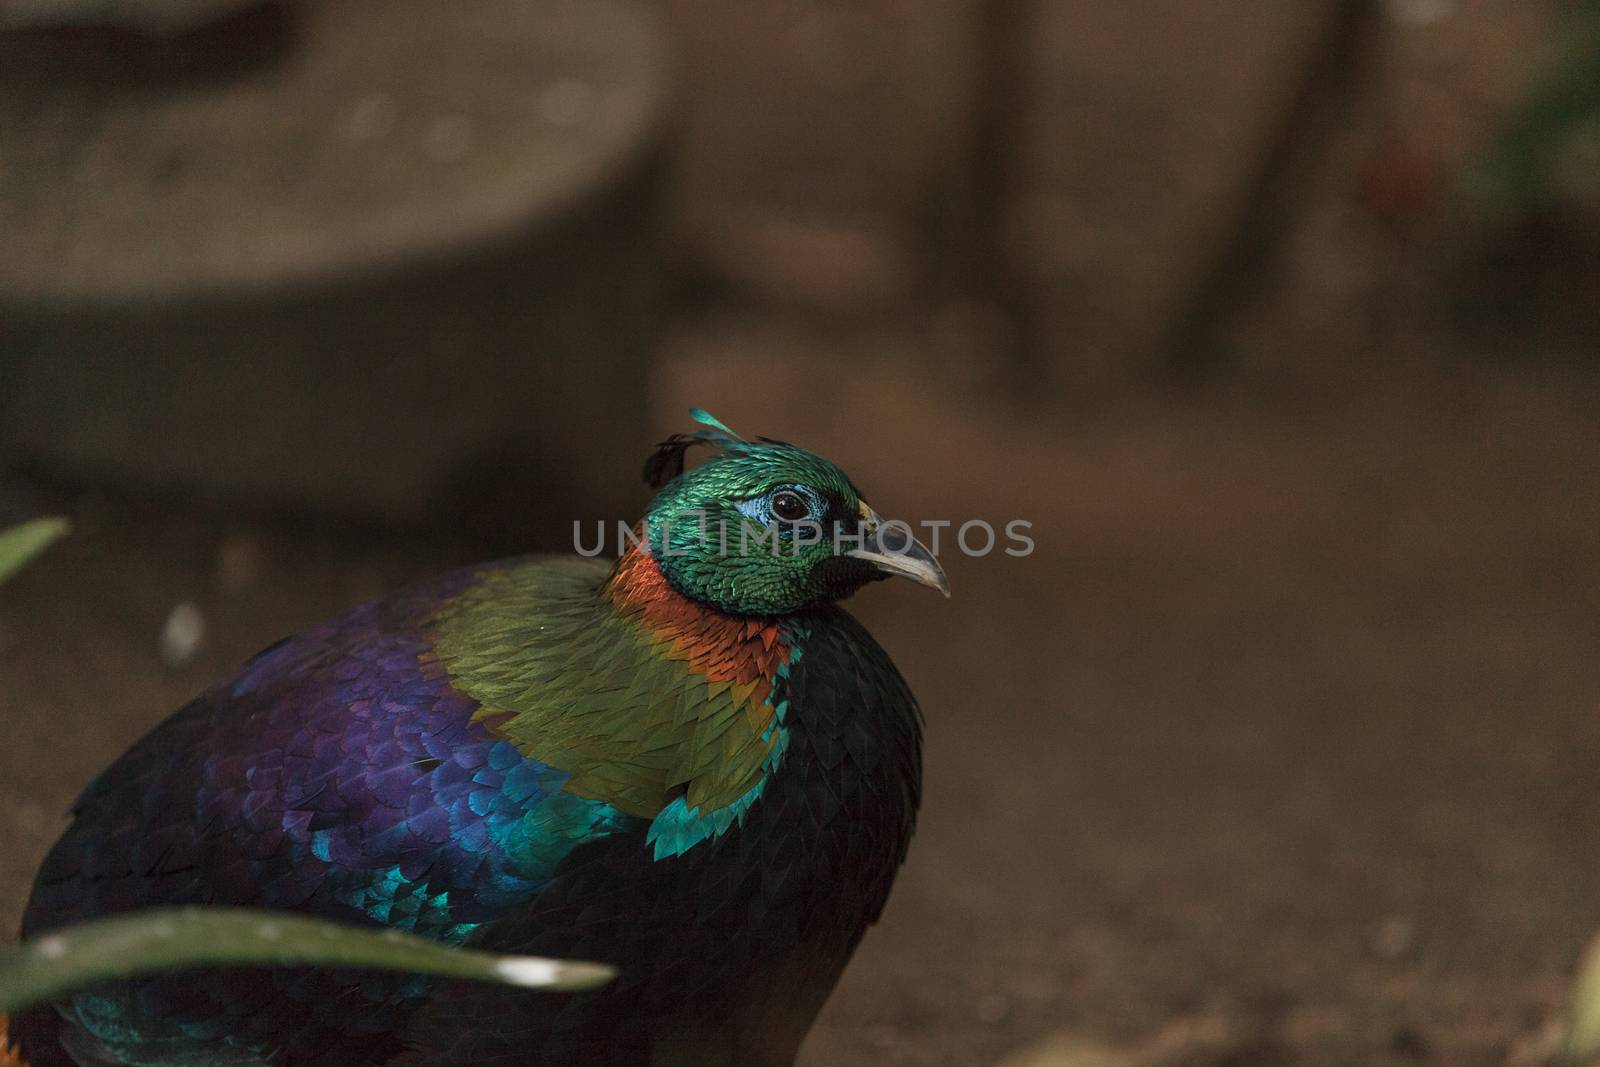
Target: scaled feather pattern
{"x": 550, "y": 756}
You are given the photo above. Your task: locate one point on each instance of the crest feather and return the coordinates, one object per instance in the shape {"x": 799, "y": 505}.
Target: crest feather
{"x": 667, "y": 461}
{"x": 705, "y": 418}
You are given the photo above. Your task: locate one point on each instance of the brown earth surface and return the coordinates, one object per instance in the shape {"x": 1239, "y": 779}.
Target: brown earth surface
{"x": 1281, "y": 748}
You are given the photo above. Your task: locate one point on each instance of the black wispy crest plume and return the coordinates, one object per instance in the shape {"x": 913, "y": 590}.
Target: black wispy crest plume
{"x": 667, "y": 461}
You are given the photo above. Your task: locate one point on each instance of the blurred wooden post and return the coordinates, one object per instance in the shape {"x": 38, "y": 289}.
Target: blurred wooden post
{"x": 401, "y": 265}
{"x": 826, "y": 155}
{"x": 1143, "y": 126}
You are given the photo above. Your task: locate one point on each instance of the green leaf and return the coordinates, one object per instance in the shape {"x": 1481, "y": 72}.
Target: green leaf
{"x": 174, "y": 939}
{"x": 1583, "y": 1036}
{"x": 21, "y": 543}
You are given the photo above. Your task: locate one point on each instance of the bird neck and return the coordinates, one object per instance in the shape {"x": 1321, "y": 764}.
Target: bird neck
{"x": 744, "y": 650}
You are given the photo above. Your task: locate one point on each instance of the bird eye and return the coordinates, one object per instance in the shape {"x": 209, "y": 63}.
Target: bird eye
{"x": 789, "y": 506}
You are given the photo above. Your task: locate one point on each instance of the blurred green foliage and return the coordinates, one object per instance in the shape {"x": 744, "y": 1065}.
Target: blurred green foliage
{"x": 1583, "y": 1031}
{"x": 170, "y": 939}
{"x": 19, "y": 544}
{"x": 1552, "y": 142}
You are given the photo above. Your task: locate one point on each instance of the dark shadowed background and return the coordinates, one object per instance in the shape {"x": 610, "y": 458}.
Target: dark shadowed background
{"x": 1278, "y": 319}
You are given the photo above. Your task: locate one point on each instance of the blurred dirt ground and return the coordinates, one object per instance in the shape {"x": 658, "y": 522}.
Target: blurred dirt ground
{"x": 1280, "y": 749}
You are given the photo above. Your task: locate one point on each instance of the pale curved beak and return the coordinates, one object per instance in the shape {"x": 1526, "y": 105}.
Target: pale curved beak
{"x": 891, "y": 548}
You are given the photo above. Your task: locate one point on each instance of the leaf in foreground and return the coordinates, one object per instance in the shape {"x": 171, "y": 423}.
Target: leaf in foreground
{"x": 21, "y": 543}
{"x": 1583, "y": 1038}
{"x": 173, "y": 939}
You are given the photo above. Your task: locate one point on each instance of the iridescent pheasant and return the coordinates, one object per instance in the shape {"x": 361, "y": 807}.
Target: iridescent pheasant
{"x": 689, "y": 763}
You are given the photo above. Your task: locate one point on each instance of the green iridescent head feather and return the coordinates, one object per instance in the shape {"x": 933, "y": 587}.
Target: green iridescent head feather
{"x": 765, "y": 527}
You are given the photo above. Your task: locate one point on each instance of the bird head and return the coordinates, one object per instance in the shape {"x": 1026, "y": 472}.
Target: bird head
{"x": 766, "y": 528}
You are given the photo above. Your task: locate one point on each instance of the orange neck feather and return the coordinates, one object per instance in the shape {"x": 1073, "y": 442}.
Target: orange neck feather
{"x": 9, "y": 1056}
{"x": 722, "y": 648}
